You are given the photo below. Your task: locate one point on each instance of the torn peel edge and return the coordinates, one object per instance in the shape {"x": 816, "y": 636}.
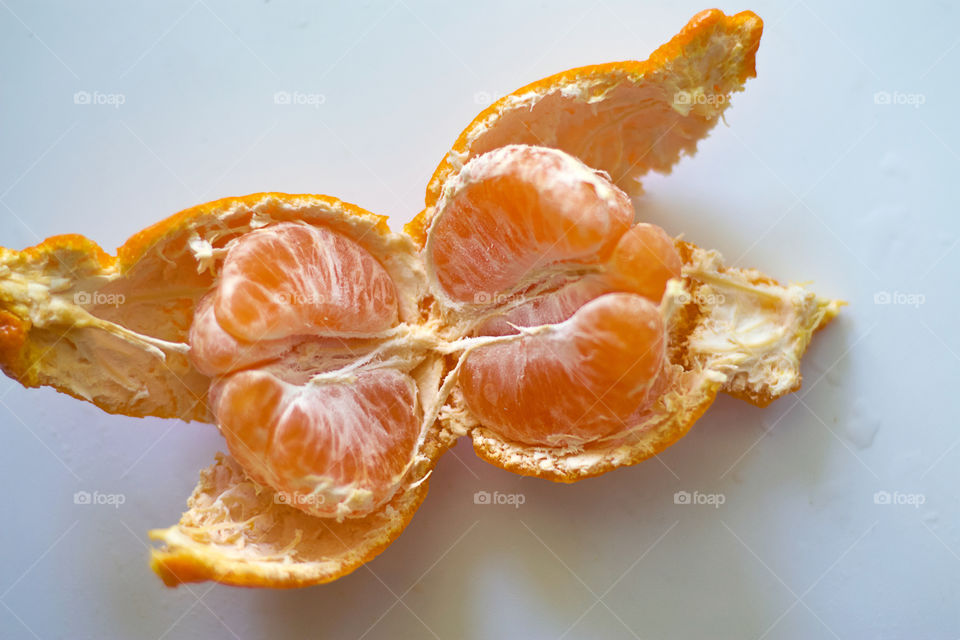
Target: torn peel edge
{"x": 830, "y": 310}
{"x": 69, "y": 253}
{"x": 139, "y": 243}
{"x": 745, "y": 26}
{"x": 13, "y": 337}
{"x": 184, "y": 560}
{"x": 822, "y": 312}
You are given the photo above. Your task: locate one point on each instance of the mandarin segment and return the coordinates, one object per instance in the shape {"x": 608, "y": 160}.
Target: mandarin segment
{"x": 644, "y": 260}
{"x": 551, "y": 308}
{"x": 292, "y": 279}
{"x": 331, "y": 449}
{"x": 214, "y": 352}
{"x": 518, "y": 210}
{"x": 572, "y": 384}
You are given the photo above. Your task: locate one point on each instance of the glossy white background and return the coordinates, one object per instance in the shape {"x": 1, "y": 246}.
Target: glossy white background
{"x": 810, "y": 180}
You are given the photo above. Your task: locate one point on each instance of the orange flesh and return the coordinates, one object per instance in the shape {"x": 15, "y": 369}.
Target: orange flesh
{"x": 572, "y": 385}
{"x": 520, "y": 215}
{"x": 291, "y": 302}
{"x": 520, "y": 210}
{"x": 213, "y": 351}
{"x": 315, "y": 442}
{"x": 291, "y": 279}
{"x": 551, "y": 308}
{"x": 642, "y": 262}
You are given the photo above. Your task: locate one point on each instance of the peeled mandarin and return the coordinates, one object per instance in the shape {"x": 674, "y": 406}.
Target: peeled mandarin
{"x": 294, "y": 301}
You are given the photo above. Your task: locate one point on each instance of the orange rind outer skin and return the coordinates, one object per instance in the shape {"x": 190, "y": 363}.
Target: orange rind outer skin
{"x": 261, "y": 558}
{"x": 702, "y": 25}
{"x": 139, "y": 243}
{"x": 184, "y": 567}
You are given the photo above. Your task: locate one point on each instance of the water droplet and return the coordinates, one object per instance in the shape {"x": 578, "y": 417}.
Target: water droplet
{"x": 862, "y": 426}
{"x": 836, "y": 376}
{"x": 892, "y": 165}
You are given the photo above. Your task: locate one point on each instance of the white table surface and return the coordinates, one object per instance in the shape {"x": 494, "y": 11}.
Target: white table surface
{"x": 810, "y": 180}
